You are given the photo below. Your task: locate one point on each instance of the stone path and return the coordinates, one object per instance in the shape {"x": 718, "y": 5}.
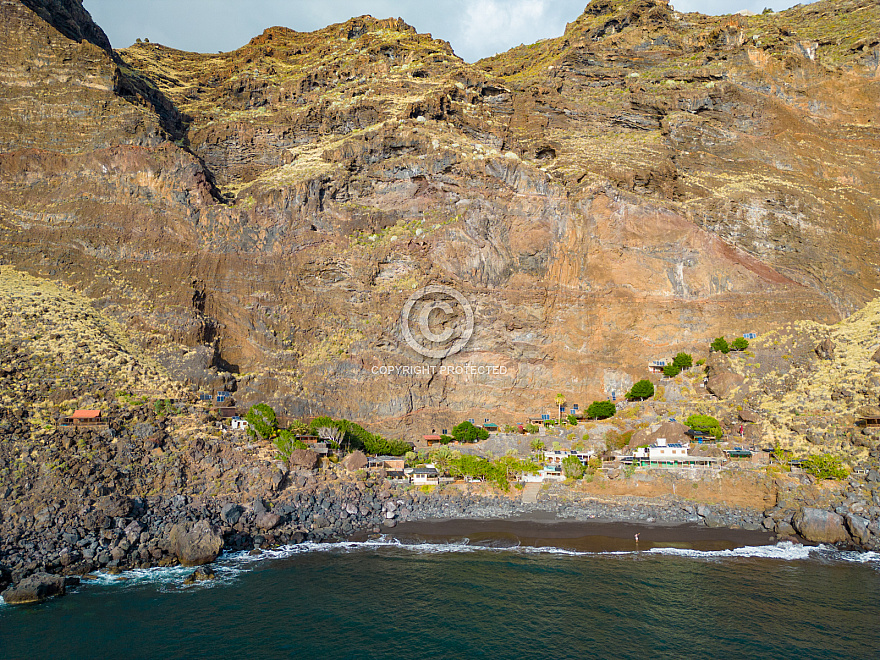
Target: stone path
{"x": 530, "y": 493}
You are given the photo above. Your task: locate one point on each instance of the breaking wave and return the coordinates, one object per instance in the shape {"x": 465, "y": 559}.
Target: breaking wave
{"x": 229, "y": 566}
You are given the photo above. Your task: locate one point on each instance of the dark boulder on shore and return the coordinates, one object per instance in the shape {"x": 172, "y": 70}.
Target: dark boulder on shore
{"x": 230, "y": 513}
{"x": 34, "y": 589}
{"x": 199, "y": 545}
{"x": 5, "y": 577}
{"x": 201, "y": 574}
{"x": 267, "y": 520}
{"x": 820, "y": 526}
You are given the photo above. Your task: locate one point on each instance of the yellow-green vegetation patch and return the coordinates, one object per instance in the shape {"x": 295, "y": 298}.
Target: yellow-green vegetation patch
{"x": 68, "y": 345}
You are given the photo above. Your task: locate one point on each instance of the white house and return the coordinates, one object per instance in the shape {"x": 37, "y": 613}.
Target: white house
{"x": 239, "y": 423}
{"x": 423, "y": 476}
{"x": 555, "y": 456}
{"x": 672, "y": 455}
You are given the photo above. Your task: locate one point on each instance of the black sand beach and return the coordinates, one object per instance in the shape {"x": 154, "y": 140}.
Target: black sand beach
{"x": 545, "y": 530}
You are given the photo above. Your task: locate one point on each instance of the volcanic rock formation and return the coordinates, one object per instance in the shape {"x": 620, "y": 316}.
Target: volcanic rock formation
{"x": 639, "y": 185}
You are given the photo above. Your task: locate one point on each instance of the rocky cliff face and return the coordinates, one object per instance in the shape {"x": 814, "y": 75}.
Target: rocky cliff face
{"x": 643, "y": 183}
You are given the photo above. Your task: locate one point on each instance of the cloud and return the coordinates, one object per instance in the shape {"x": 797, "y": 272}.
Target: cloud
{"x": 475, "y": 28}
{"x": 490, "y": 26}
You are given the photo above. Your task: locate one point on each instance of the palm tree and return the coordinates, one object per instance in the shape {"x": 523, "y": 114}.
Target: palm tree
{"x": 560, "y": 399}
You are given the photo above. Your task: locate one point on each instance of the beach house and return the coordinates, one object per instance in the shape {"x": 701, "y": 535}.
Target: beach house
{"x": 670, "y": 455}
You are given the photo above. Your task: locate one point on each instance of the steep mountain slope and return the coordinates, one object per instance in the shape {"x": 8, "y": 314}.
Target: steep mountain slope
{"x": 643, "y": 183}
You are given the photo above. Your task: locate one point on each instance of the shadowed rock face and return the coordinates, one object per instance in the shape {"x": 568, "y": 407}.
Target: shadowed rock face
{"x": 640, "y": 185}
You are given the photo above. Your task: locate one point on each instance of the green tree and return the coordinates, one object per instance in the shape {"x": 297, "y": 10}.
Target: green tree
{"x": 467, "y": 432}
{"x": 571, "y": 419}
{"x": 537, "y": 445}
{"x": 705, "y": 423}
{"x": 531, "y": 428}
{"x": 825, "y": 466}
{"x": 683, "y": 361}
{"x": 671, "y": 370}
{"x": 601, "y": 410}
{"x": 740, "y": 344}
{"x": 285, "y": 442}
{"x": 262, "y": 421}
{"x": 572, "y": 467}
{"x": 720, "y": 344}
{"x": 644, "y": 389}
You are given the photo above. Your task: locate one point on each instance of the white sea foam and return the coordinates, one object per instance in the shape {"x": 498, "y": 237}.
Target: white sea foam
{"x": 230, "y": 566}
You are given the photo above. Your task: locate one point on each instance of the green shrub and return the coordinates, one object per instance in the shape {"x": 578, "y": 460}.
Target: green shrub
{"x": 571, "y": 419}
{"x": 720, "y": 344}
{"x": 701, "y": 362}
{"x": 683, "y": 361}
{"x": 262, "y": 421}
{"x": 615, "y": 440}
{"x": 705, "y": 423}
{"x": 531, "y": 428}
{"x": 467, "y": 432}
{"x": 572, "y": 467}
{"x": 825, "y": 466}
{"x": 643, "y": 389}
{"x": 740, "y": 344}
{"x": 285, "y": 442}
{"x": 601, "y": 410}
{"x": 671, "y": 370}
{"x": 509, "y": 428}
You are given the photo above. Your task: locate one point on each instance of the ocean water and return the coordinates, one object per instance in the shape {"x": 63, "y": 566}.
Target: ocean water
{"x": 388, "y": 599}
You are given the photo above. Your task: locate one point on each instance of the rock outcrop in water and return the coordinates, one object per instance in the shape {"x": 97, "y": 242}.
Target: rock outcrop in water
{"x": 644, "y": 182}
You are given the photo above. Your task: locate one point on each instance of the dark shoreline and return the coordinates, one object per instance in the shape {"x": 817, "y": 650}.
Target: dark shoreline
{"x": 539, "y": 529}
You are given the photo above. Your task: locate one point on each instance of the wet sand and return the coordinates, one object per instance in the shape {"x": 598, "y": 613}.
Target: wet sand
{"x": 581, "y": 536}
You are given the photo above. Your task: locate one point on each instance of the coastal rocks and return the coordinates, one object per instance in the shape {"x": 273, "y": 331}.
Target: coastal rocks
{"x": 355, "y": 461}
{"x": 858, "y": 528}
{"x": 34, "y": 589}
{"x": 709, "y": 516}
{"x": 5, "y": 577}
{"x": 230, "y": 513}
{"x": 267, "y": 520}
{"x": 201, "y": 574}
{"x": 820, "y": 526}
{"x": 199, "y": 545}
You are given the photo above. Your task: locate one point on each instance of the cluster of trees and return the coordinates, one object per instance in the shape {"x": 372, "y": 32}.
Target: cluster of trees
{"x": 720, "y": 344}
{"x": 338, "y": 433}
{"x": 498, "y": 471}
{"x": 679, "y": 363}
{"x": 466, "y": 432}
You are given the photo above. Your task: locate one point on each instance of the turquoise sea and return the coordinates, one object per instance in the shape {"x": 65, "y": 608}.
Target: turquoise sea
{"x": 388, "y": 599}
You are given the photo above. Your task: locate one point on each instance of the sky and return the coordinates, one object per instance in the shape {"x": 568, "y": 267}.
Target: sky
{"x": 475, "y": 28}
